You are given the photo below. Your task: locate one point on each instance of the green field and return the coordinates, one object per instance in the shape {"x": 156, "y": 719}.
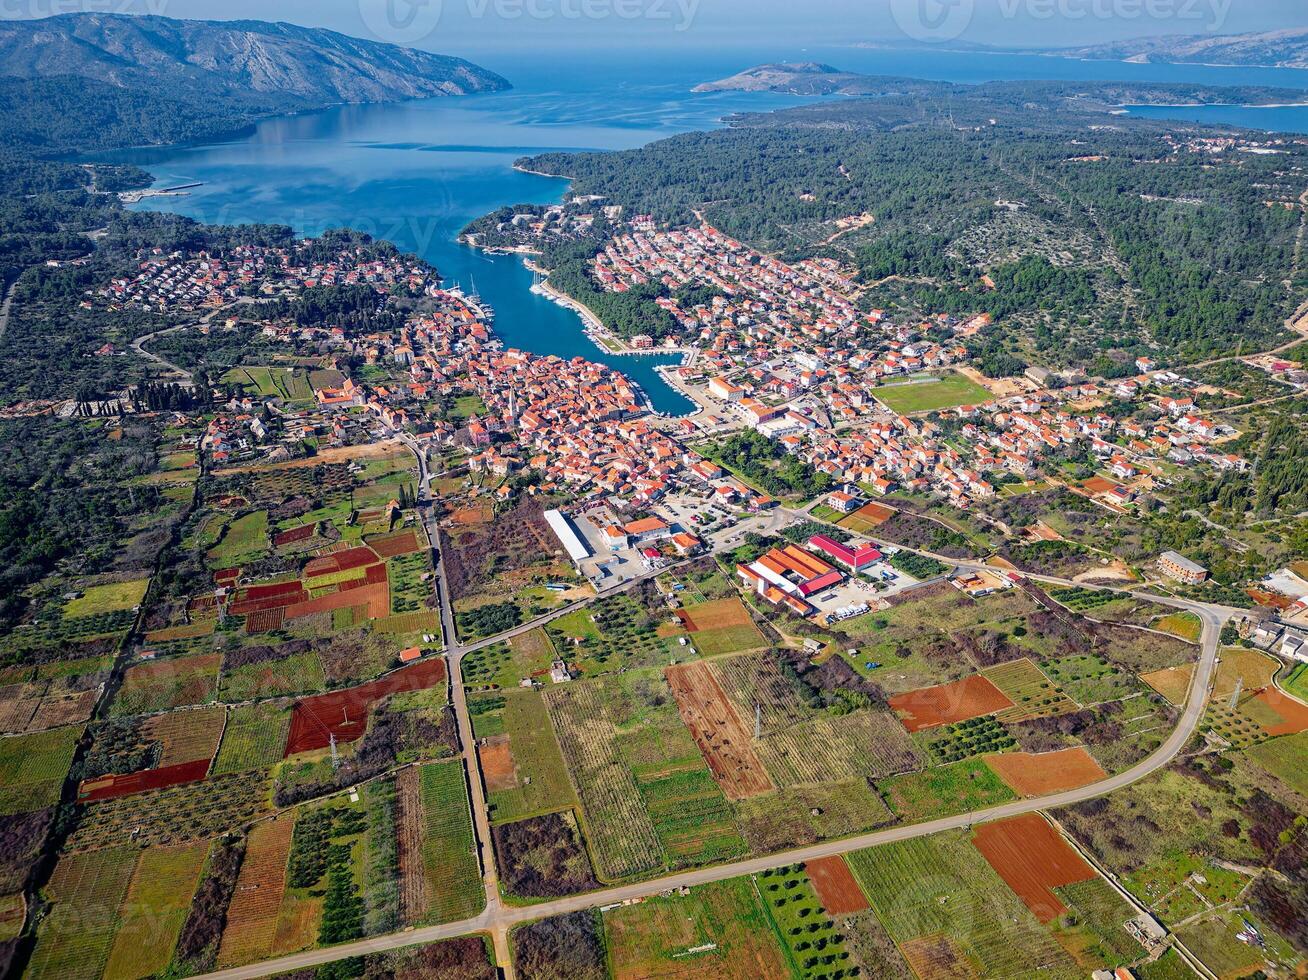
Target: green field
{"x": 33, "y": 767}
{"x": 1284, "y": 759}
{"x": 76, "y": 937}
{"x": 724, "y": 922}
{"x": 951, "y": 391}
{"x": 98, "y": 599}
{"x": 945, "y": 790}
{"x": 690, "y": 814}
{"x": 454, "y": 885}
{"x": 255, "y": 738}
{"x": 289, "y": 384}
{"x": 154, "y": 910}
{"x": 1296, "y": 683}
{"x": 246, "y": 539}
{"x": 941, "y": 886}
{"x": 543, "y": 785}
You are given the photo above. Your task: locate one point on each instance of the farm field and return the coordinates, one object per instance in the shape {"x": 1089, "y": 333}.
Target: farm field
{"x": 1284, "y": 758}
{"x": 721, "y": 626}
{"x": 587, "y": 717}
{"x": 255, "y": 738}
{"x": 75, "y": 940}
{"x": 453, "y": 886}
{"x": 718, "y": 931}
{"x": 186, "y": 736}
{"x": 289, "y": 384}
{"x": 1050, "y": 772}
{"x": 154, "y": 909}
{"x": 949, "y": 910}
{"x": 539, "y": 780}
{"x": 99, "y": 599}
{"x": 836, "y": 886}
{"x": 971, "y": 697}
{"x": 1172, "y": 683}
{"x": 33, "y": 768}
{"x": 159, "y": 685}
{"x": 944, "y": 790}
{"x": 718, "y": 730}
{"x": 1296, "y": 682}
{"x": 252, "y": 916}
{"x": 243, "y": 539}
{"x": 1032, "y": 693}
{"x": 950, "y": 391}
{"x": 867, "y": 744}
{"x": 815, "y": 942}
{"x": 1095, "y": 932}
{"x": 1033, "y": 859}
{"x": 1090, "y": 679}
{"x": 799, "y": 815}
{"x": 177, "y": 814}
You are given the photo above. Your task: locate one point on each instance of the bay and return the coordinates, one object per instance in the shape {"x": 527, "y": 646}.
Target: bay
{"x": 416, "y": 173}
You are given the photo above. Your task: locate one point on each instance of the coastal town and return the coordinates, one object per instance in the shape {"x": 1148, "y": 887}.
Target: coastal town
{"x": 865, "y": 539}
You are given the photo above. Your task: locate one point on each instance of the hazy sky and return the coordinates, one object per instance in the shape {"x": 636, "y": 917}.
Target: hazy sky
{"x": 466, "y": 25}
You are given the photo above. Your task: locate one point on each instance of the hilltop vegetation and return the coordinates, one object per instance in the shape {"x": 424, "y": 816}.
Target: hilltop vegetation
{"x": 1098, "y": 233}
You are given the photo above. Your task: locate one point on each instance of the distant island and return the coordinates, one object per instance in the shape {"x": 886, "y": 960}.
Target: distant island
{"x": 813, "y": 78}
{"x": 1269, "y": 49}
{"x": 115, "y": 79}
{"x": 1266, "y": 49}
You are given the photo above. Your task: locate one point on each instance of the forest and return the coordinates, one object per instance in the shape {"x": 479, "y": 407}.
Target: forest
{"x": 1180, "y": 247}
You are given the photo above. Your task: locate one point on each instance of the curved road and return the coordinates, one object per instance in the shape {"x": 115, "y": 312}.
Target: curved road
{"x": 498, "y": 917}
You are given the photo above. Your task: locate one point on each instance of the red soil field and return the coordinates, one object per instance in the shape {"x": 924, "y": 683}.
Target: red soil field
{"x": 1294, "y": 716}
{"x": 345, "y": 713}
{"x": 835, "y": 886}
{"x": 875, "y": 513}
{"x": 301, "y": 533}
{"x": 271, "y": 589}
{"x": 340, "y": 561}
{"x": 264, "y": 620}
{"x": 401, "y": 543}
{"x": 722, "y": 737}
{"x": 110, "y": 787}
{"x": 247, "y": 606}
{"x": 362, "y": 593}
{"x": 1049, "y": 772}
{"x": 928, "y": 707}
{"x": 497, "y": 764}
{"x": 1033, "y": 859}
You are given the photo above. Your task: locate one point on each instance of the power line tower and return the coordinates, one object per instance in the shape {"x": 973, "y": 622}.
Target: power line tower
{"x": 336, "y": 759}
{"x": 758, "y": 720}
{"x": 1235, "y": 695}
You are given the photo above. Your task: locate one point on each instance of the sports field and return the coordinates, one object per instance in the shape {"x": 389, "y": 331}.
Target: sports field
{"x": 950, "y": 391}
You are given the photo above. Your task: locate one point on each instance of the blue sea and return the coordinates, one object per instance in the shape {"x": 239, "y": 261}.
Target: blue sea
{"x": 416, "y": 173}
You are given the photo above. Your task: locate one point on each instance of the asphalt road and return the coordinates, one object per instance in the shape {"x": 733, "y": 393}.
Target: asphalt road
{"x": 498, "y": 917}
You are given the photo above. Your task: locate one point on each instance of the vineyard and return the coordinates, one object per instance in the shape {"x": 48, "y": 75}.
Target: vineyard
{"x": 942, "y": 887}
{"x": 76, "y": 937}
{"x": 33, "y": 767}
{"x": 186, "y": 735}
{"x": 1032, "y": 693}
{"x": 755, "y": 680}
{"x": 870, "y": 744}
{"x": 154, "y": 909}
{"x": 453, "y": 874}
{"x": 621, "y": 833}
{"x": 252, "y": 916}
{"x": 690, "y": 814}
{"x": 255, "y": 738}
